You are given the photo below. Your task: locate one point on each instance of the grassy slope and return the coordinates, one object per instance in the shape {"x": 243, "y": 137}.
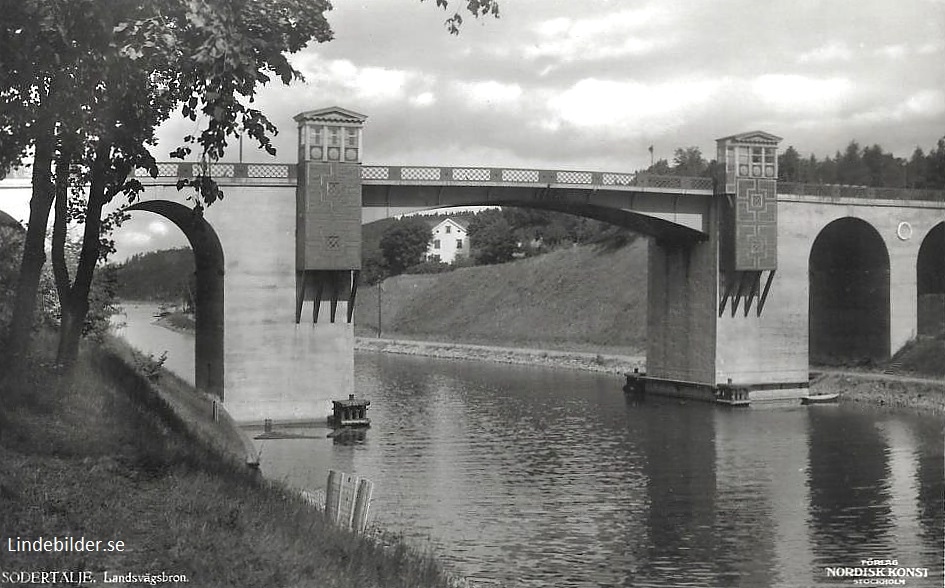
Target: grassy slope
{"x": 91, "y": 457}
{"x": 579, "y": 297}
{"x": 584, "y": 298}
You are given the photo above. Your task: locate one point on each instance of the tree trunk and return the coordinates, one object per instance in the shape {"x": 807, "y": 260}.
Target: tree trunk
{"x": 34, "y": 254}
{"x": 70, "y": 331}
{"x": 60, "y": 227}
{"x": 75, "y": 306}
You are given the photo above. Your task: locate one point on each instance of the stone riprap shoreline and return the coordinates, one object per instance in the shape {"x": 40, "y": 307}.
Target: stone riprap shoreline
{"x": 595, "y": 362}
{"x": 882, "y": 390}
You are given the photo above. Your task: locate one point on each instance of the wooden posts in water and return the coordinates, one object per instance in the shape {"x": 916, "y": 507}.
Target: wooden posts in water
{"x": 348, "y": 500}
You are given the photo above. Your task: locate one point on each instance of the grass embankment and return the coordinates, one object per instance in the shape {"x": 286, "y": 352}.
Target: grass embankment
{"x": 103, "y": 456}
{"x": 587, "y": 298}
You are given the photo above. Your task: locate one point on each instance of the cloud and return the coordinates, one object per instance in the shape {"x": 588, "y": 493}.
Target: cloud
{"x": 924, "y": 104}
{"x": 898, "y": 51}
{"x": 368, "y": 84}
{"x": 157, "y": 228}
{"x": 488, "y": 94}
{"x": 798, "y": 94}
{"x": 632, "y": 108}
{"x": 133, "y": 238}
{"x": 608, "y": 35}
{"x": 835, "y": 51}
{"x": 423, "y": 99}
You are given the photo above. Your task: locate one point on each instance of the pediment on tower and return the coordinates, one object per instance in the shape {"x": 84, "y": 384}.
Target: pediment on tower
{"x": 332, "y": 114}
{"x": 753, "y": 137}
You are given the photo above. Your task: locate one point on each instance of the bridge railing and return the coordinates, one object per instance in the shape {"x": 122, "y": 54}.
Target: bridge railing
{"x": 519, "y": 176}
{"x": 492, "y": 175}
{"x": 224, "y": 170}
{"x": 865, "y": 192}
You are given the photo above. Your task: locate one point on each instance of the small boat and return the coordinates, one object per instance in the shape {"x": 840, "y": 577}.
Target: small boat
{"x": 820, "y": 399}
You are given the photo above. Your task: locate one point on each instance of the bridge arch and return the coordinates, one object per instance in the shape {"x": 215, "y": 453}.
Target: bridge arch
{"x": 848, "y": 272}
{"x": 209, "y": 262}
{"x": 664, "y": 231}
{"x": 930, "y": 282}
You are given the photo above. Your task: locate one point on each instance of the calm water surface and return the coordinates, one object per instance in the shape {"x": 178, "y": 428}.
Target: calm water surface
{"x": 532, "y": 477}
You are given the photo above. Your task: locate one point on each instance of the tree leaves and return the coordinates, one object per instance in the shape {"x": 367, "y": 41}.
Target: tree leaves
{"x": 475, "y": 7}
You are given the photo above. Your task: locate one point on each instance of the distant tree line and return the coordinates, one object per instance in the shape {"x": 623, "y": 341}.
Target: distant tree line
{"x": 159, "y": 276}
{"x": 857, "y": 166}
{"x": 867, "y": 166}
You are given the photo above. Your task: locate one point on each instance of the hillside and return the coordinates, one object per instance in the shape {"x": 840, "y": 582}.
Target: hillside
{"x": 160, "y": 276}
{"x": 580, "y": 297}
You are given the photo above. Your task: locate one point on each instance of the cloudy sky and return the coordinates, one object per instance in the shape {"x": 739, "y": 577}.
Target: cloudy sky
{"x": 592, "y": 84}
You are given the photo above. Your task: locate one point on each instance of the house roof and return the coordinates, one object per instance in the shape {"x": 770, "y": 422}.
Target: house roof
{"x": 757, "y": 137}
{"x": 334, "y": 114}
{"x": 460, "y": 222}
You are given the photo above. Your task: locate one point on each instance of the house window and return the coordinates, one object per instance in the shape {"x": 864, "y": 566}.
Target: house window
{"x": 352, "y": 137}
{"x": 459, "y": 243}
{"x": 448, "y": 229}
{"x": 436, "y": 244}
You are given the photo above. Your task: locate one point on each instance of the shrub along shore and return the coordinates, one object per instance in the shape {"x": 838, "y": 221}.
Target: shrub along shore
{"x": 103, "y": 455}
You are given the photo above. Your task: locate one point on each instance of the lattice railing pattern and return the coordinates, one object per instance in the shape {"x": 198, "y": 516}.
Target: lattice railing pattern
{"x": 573, "y": 177}
{"x": 488, "y": 175}
{"x": 609, "y": 179}
{"x": 372, "y": 172}
{"x": 520, "y": 175}
{"x": 217, "y": 170}
{"x": 166, "y": 170}
{"x": 472, "y": 174}
{"x": 428, "y": 174}
{"x": 267, "y": 170}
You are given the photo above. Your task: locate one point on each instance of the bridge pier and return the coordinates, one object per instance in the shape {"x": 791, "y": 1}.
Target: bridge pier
{"x": 724, "y": 322}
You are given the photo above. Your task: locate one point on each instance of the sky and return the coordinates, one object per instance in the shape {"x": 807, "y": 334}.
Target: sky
{"x": 591, "y": 85}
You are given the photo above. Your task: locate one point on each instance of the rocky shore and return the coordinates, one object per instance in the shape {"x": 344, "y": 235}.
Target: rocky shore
{"x": 881, "y": 390}
{"x": 596, "y": 362}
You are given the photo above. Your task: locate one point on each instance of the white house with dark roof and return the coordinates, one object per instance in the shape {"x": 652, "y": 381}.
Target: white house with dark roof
{"x": 449, "y": 241}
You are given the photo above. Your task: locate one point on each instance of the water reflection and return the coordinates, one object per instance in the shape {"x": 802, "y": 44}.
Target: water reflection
{"x": 537, "y": 477}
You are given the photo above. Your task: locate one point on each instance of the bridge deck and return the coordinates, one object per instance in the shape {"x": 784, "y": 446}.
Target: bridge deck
{"x": 381, "y": 175}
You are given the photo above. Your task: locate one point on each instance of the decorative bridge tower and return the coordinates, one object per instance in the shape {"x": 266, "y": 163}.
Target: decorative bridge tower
{"x": 328, "y": 209}
{"x": 718, "y": 324}
{"x": 748, "y": 248}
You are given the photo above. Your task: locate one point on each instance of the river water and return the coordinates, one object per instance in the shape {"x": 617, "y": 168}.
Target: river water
{"x": 520, "y": 476}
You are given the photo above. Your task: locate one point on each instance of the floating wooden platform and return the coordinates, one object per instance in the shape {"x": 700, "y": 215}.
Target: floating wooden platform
{"x": 349, "y": 413}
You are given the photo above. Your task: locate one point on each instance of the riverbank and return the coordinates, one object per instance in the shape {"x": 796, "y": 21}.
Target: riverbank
{"x": 596, "y": 362}
{"x": 103, "y": 455}
{"x": 882, "y": 390}
{"x": 925, "y": 395}
{"x": 873, "y": 388}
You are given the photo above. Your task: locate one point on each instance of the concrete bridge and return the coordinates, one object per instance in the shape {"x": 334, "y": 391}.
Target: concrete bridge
{"x": 749, "y": 279}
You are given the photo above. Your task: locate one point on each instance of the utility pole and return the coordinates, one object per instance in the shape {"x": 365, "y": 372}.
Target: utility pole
{"x": 379, "y": 309}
